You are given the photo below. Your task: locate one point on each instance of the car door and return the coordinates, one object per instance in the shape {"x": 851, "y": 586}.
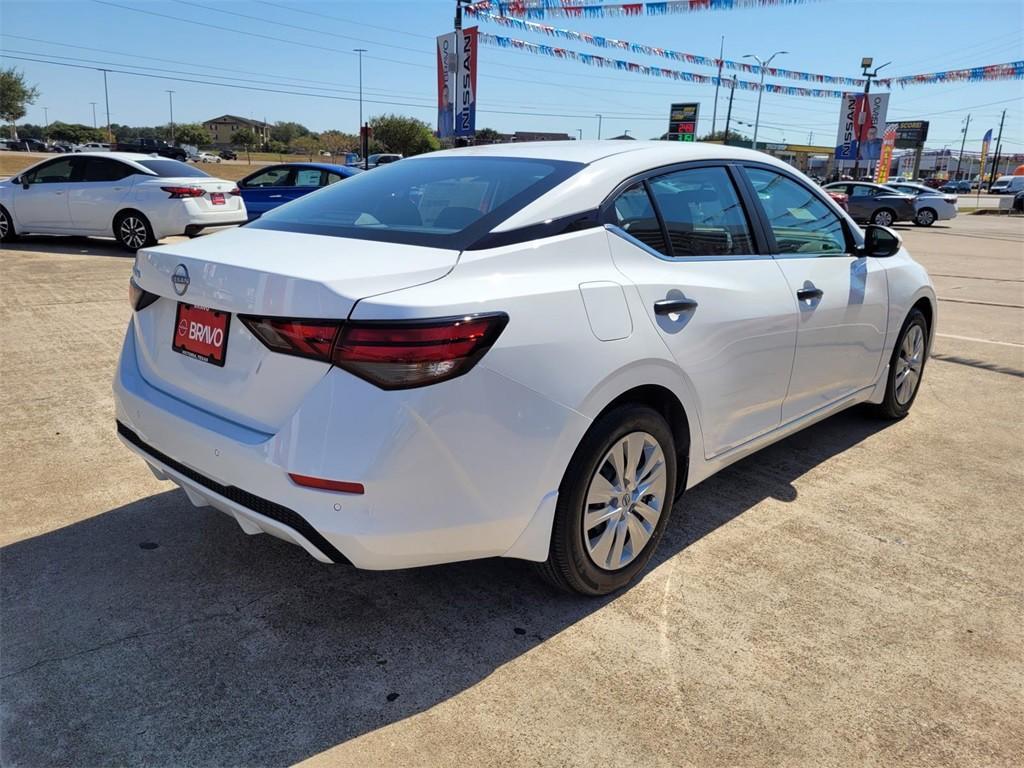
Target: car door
{"x": 266, "y": 189}
{"x": 862, "y": 201}
{"x": 717, "y": 298}
{"x": 304, "y": 181}
{"x": 41, "y": 203}
{"x": 98, "y": 192}
{"x": 842, "y": 298}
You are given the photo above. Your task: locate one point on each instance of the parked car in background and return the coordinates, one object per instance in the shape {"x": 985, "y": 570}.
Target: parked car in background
{"x": 152, "y": 146}
{"x": 519, "y": 350}
{"x": 204, "y": 157}
{"x": 275, "y": 185}
{"x": 875, "y": 203}
{"x": 962, "y": 185}
{"x": 139, "y": 199}
{"x": 842, "y": 199}
{"x": 228, "y": 154}
{"x": 1007, "y": 185}
{"x": 14, "y": 145}
{"x": 930, "y": 205}
{"x": 93, "y": 146}
{"x": 1018, "y": 202}
{"x": 381, "y": 159}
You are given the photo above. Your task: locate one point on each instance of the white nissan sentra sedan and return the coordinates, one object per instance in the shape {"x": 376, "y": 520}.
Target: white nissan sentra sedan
{"x": 523, "y": 350}
{"x": 139, "y": 199}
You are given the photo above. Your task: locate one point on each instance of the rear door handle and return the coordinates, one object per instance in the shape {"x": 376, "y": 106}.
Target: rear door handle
{"x": 809, "y": 294}
{"x": 674, "y": 306}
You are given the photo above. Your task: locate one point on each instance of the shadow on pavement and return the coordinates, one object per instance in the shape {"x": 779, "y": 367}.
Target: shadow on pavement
{"x": 75, "y": 246}
{"x": 158, "y": 633}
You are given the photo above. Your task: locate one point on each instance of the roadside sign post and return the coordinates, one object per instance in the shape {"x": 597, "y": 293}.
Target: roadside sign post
{"x": 682, "y": 122}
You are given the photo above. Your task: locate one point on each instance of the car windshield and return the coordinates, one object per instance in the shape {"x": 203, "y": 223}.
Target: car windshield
{"x": 171, "y": 168}
{"x": 446, "y": 202}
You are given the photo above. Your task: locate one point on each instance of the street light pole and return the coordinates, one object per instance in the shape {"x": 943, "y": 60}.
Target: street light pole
{"x": 865, "y": 64}
{"x": 364, "y": 143}
{"x": 760, "y": 91}
{"x": 93, "y": 113}
{"x": 599, "y": 118}
{"x": 580, "y": 131}
{"x": 46, "y": 118}
{"x": 718, "y": 83}
{"x": 170, "y": 101}
{"x": 106, "y": 99}
{"x": 963, "y": 142}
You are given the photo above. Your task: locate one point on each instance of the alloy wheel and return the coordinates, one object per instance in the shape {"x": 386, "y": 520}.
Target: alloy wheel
{"x": 909, "y": 364}
{"x": 884, "y": 218}
{"x": 926, "y": 218}
{"x": 5, "y": 226}
{"x": 133, "y": 232}
{"x": 624, "y": 501}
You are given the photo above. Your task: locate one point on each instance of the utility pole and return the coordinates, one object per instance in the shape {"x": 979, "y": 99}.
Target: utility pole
{"x": 46, "y": 118}
{"x": 728, "y": 113}
{"x": 170, "y": 101}
{"x": 364, "y": 140}
{"x": 93, "y": 113}
{"x": 718, "y": 84}
{"x": 580, "y": 132}
{"x": 760, "y": 91}
{"x": 599, "y": 117}
{"x": 999, "y": 146}
{"x": 106, "y": 99}
{"x": 963, "y": 142}
{"x": 865, "y": 64}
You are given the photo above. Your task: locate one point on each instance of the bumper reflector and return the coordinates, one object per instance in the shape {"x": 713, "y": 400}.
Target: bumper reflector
{"x": 326, "y": 485}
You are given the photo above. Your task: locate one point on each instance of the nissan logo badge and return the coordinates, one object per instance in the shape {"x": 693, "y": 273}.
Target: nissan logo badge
{"x": 180, "y": 279}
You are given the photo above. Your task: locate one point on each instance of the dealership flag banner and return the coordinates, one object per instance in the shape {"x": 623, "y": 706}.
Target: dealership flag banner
{"x": 860, "y": 118}
{"x": 985, "y": 142}
{"x": 446, "y": 61}
{"x": 885, "y": 158}
{"x": 465, "y": 82}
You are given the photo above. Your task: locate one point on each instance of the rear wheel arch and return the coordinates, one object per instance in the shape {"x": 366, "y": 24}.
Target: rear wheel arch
{"x": 125, "y": 213}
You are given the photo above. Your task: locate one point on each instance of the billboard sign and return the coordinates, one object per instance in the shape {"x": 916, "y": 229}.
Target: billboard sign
{"x": 446, "y": 62}
{"x": 910, "y": 134}
{"x": 682, "y": 122}
{"x": 861, "y": 123}
{"x": 465, "y": 82}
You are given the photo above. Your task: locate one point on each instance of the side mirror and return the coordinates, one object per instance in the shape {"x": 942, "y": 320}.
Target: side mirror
{"x": 880, "y": 241}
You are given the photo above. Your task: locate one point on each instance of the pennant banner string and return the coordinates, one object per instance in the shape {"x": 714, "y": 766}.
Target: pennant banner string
{"x": 578, "y": 9}
{"x": 649, "y": 50}
{"x": 1009, "y": 71}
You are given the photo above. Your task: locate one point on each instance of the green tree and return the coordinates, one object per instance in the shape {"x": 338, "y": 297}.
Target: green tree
{"x": 75, "y": 133}
{"x": 338, "y": 142}
{"x": 15, "y": 96}
{"x": 245, "y": 138}
{"x": 285, "y": 132}
{"x": 487, "y": 136}
{"x": 308, "y": 145}
{"x": 192, "y": 133}
{"x": 720, "y": 136}
{"x": 404, "y": 135}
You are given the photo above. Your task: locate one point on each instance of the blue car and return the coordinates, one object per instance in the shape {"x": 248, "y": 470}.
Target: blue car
{"x": 274, "y": 185}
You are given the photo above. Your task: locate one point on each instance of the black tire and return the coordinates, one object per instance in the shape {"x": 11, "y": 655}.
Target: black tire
{"x": 570, "y": 565}
{"x": 7, "y": 233}
{"x": 896, "y": 405}
{"x": 886, "y": 217}
{"x": 132, "y": 231}
{"x": 925, "y": 217}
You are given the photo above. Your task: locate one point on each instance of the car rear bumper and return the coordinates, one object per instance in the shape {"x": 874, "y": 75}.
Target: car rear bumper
{"x": 455, "y": 471}
{"x": 195, "y": 229}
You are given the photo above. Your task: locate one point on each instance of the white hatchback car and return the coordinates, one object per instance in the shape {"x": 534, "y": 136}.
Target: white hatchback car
{"x": 930, "y": 205}
{"x": 514, "y": 350}
{"x": 139, "y": 199}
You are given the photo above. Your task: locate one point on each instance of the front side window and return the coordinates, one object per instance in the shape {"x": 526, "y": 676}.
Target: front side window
{"x": 800, "y": 221}
{"x": 702, "y": 213}
{"x": 442, "y": 201}
{"x": 56, "y": 172}
{"x": 635, "y": 214}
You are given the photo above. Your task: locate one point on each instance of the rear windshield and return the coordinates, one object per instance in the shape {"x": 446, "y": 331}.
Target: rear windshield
{"x": 446, "y": 202}
{"x": 171, "y": 168}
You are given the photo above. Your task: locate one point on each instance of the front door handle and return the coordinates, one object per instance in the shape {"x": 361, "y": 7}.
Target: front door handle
{"x": 275, "y": 197}
{"x": 674, "y": 306}
{"x": 809, "y": 294}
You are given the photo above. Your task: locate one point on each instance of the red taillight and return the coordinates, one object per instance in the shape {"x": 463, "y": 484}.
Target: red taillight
{"x": 341, "y": 486}
{"x": 177, "y": 193}
{"x": 391, "y": 355}
{"x": 235, "y": 191}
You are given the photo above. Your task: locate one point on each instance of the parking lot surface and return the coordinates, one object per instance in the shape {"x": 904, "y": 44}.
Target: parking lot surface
{"x": 853, "y": 594}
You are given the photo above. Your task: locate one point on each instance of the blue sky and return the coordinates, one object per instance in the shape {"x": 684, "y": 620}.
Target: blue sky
{"x": 516, "y": 90}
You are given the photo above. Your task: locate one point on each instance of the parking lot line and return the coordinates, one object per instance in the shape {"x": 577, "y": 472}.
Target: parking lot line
{"x": 980, "y": 341}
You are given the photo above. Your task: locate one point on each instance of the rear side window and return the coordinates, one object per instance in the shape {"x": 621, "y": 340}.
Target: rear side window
{"x": 102, "y": 169}
{"x": 800, "y": 221}
{"x": 702, "y": 213}
{"x": 447, "y": 202}
{"x": 635, "y": 214}
{"x": 308, "y": 177}
{"x": 171, "y": 168}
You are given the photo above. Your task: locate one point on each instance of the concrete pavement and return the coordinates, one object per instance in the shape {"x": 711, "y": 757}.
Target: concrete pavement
{"x": 852, "y": 595}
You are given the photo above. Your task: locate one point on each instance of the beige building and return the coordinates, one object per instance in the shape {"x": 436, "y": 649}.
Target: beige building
{"x": 223, "y": 129}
